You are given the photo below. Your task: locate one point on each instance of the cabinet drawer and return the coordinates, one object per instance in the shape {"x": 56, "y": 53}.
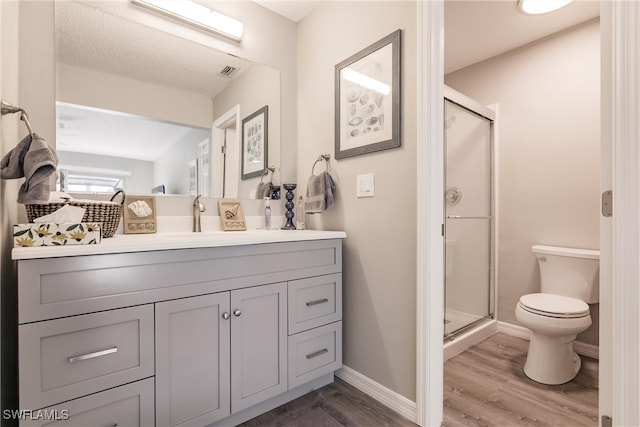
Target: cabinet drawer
{"x": 67, "y": 358}
{"x": 314, "y": 302}
{"x": 314, "y": 353}
{"x": 129, "y": 405}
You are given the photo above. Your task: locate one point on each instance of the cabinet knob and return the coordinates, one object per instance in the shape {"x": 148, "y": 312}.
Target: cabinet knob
{"x": 226, "y": 315}
{"x": 237, "y": 312}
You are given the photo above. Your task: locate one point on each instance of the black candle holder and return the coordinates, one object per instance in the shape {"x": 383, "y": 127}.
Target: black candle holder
{"x": 289, "y": 225}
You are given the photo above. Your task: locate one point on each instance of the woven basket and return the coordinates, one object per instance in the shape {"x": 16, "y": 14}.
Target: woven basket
{"x": 106, "y": 213}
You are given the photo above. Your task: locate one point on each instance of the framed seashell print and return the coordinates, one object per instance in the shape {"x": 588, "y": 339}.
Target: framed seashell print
{"x": 231, "y": 215}
{"x": 367, "y": 99}
{"x": 139, "y": 214}
{"x": 255, "y": 146}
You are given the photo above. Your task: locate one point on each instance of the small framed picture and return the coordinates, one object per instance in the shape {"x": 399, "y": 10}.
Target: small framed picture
{"x": 139, "y": 215}
{"x": 231, "y": 215}
{"x": 255, "y": 135}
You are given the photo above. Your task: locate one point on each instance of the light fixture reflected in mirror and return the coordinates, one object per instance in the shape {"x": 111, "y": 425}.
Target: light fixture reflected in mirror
{"x": 538, "y": 7}
{"x": 195, "y": 14}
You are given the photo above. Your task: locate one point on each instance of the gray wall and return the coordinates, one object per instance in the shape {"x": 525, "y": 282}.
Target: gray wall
{"x": 549, "y": 153}
{"x": 380, "y": 249}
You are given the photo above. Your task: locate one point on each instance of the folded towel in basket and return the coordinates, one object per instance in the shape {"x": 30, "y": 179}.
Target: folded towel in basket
{"x": 320, "y": 193}
{"x": 33, "y": 159}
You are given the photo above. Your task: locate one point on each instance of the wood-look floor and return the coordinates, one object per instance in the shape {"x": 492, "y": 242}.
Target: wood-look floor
{"x": 335, "y": 405}
{"x": 483, "y": 386}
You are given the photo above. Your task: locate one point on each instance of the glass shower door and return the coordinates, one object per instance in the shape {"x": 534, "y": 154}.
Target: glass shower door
{"x": 468, "y": 218}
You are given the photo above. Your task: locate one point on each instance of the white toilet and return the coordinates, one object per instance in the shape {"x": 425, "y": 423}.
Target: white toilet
{"x": 568, "y": 281}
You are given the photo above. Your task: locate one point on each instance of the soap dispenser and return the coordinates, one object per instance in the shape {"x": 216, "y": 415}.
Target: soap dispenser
{"x": 267, "y": 214}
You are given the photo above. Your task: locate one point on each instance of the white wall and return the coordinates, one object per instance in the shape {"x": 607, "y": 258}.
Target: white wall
{"x": 379, "y": 253}
{"x": 98, "y": 89}
{"x": 549, "y": 155}
{"x": 139, "y": 182}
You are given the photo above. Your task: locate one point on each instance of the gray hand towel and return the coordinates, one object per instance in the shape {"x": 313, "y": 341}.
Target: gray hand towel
{"x": 263, "y": 190}
{"x": 33, "y": 159}
{"x": 320, "y": 193}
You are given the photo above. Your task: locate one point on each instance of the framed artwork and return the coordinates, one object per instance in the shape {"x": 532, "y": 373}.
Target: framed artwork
{"x": 231, "y": 215}
{"x": 139, "y": 215}
{"x": 192, "y": 168}
{"x": 255, "y": 135}
{"x": 367, "y": 99}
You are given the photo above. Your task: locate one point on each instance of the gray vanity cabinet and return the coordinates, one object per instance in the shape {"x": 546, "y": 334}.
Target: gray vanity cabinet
{"x": 199, "y": 338}
{"x": 185, "y": 337}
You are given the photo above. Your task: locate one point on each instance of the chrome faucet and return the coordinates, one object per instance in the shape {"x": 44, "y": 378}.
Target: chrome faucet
{"x": 198, "y": 208}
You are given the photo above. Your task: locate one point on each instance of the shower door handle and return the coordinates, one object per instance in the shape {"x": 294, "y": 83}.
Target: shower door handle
{"x": 468, "y": 217}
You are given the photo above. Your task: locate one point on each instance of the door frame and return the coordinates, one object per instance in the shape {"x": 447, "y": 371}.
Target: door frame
{"x": 619, "y": 283}
{"x": 231, "y": 166}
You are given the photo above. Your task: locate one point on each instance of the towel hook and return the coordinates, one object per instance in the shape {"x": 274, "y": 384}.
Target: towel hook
{"x": 321, "y": 157}
{"x": 271, "y": 169}
{"x": 8, "y": 108}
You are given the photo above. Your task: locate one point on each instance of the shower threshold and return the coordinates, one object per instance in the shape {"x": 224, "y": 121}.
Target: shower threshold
{"x": 450, "y": 334}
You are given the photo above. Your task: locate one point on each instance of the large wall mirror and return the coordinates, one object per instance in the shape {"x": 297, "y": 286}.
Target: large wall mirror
{"x": 135, "y": 108}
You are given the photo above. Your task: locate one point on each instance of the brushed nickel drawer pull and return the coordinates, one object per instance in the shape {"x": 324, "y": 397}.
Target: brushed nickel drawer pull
{"x": 316, "y": 302}
{"x": 92, "y": 355}
{"x": 317, "y": 353}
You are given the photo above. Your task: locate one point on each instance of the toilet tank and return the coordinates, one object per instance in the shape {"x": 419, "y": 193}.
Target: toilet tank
{"x": 569, "y": 272}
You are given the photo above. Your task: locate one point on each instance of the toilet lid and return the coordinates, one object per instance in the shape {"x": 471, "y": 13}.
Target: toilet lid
{"x": 554, "y": 305}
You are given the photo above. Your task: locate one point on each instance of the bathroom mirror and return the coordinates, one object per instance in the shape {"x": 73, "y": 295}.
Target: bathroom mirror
{"x": 136, "y": 105}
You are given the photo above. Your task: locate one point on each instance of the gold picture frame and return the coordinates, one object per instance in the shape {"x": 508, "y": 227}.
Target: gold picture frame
{"x": 231, "y": 215}
{"x": 139, "y": 215}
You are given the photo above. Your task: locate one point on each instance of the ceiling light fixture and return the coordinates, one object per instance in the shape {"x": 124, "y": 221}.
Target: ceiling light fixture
{"x": 538, "y": 7}
{"x": 197, "y": 15}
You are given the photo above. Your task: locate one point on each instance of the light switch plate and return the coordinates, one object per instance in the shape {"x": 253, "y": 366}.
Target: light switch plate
{"x": 365, "y": 185}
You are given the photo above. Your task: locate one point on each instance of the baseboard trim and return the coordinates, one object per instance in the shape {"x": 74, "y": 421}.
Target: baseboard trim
{"x": 382, "y": 394}
{"x": 584, "y": 349}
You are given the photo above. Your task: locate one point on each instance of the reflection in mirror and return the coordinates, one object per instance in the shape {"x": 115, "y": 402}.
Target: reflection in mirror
{"x": 159, "y": 155}
{"x": 123, "y": 84}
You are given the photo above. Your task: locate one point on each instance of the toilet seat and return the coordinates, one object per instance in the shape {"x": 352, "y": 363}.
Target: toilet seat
{"x": 556, "y": 306}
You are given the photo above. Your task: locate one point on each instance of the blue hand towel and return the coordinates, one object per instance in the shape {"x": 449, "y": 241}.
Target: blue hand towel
{"x": 33, "y": 159}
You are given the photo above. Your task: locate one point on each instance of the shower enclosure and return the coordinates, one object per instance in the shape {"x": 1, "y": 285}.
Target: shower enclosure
{"x": 469, "y": 214}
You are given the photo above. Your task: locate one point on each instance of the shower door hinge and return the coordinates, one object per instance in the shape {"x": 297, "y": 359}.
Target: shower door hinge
{"x": 607, "y": 204}
{"x": 607, "y": 421}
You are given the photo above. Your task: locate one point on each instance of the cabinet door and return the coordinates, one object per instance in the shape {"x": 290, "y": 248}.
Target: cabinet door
{"x": 192, "y": 360}
{"x": 258, "y": 344}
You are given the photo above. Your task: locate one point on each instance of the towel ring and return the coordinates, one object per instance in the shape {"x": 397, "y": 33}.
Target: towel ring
{"x": 271, "y": 169}
{"x": 8, "y": 108}
{"x": 321, "y": 157}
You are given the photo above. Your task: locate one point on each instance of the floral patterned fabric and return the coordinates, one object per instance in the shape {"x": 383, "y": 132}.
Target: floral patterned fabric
{"x": 26, "y": 235}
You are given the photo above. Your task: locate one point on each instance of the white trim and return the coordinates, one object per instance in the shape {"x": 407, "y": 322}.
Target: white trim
{"x": 581, "y": 348}
{"x": 232, "y": 166}
{"x": 626, "y": 208}
{"x": 429, "y": 244}
{"x": 387, "y": 397}
{"x": 462, "y": 342}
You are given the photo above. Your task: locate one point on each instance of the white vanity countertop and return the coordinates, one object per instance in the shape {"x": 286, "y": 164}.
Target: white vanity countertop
{"x": 121, "y": 243}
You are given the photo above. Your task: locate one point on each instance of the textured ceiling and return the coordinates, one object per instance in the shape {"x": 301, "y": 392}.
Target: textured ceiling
{"x": 91, "y": 38}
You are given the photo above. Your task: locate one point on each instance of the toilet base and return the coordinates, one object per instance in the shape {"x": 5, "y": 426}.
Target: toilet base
{"x": 551, "y": 359}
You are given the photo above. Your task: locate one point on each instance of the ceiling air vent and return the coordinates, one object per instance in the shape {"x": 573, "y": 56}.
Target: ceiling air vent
{"x": 227, "y": 71}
